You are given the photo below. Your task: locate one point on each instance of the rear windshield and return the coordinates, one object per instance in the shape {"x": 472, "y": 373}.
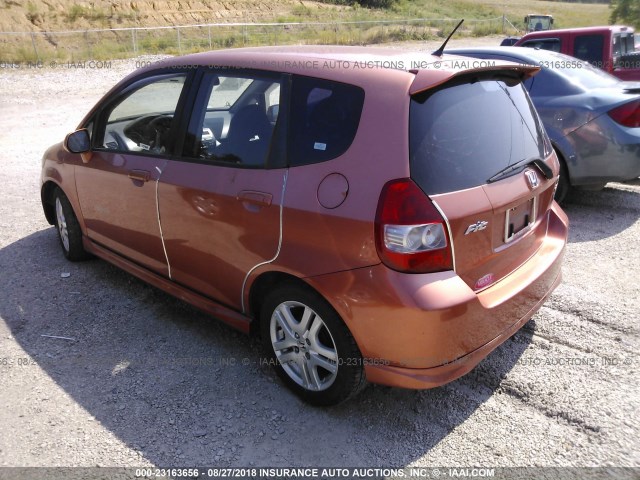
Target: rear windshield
{"x": 582, "y": 75}
{"x": 462, "y": 135}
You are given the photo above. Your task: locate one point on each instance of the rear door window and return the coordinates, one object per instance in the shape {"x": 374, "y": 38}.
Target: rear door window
{"x": 324, "y": 119}
{"x": 235, "y": 118}
{"x": 462, "y": 135}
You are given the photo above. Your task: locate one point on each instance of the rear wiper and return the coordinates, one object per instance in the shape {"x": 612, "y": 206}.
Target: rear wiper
{"x": 543, "y": 167}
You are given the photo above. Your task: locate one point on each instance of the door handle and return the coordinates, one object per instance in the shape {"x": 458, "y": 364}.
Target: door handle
{"x": 252, "y": 199}
{"x": 140, "y": 175}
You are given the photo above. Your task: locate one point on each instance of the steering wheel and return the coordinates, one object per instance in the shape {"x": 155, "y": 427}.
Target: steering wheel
{"x": 149, "y": 130}
{"x": 158, "y": 128}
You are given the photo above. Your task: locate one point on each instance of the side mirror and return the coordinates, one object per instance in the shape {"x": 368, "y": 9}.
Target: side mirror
{"x": 78, "y": 141}
{"x": 552, "y": 21}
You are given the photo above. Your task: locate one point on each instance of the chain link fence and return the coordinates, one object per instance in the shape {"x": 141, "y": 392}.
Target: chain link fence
{"x": 101, "y": 44}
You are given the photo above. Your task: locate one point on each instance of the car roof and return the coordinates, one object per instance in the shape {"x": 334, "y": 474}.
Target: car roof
{"x": 300, "y": 58}
{"x": 565, "y": 31}
{"x": 373, "y": 68}
{"x": 361, "y": 65}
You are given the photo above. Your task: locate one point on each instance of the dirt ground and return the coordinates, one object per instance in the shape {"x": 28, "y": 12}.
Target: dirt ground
{"x": 52, "y": 15}
{"x": 140, "y": 378}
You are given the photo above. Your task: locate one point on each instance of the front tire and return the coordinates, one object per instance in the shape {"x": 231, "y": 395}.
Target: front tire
{"x": 311, "y": 348}
{"x": 69, "y": 232}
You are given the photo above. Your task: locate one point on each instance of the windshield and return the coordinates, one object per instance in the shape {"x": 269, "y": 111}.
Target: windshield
{"x": 157, "y": 97}
{"x": 537, "y": 23}
{"x": 464, "y": 134}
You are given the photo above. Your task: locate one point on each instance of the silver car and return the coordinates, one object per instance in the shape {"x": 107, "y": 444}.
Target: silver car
{"x": 592, "y": 118}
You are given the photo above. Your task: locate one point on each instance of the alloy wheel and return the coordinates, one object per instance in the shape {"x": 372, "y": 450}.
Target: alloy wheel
{"x": 62, "y": 225}
{"x": 304, "y": 346}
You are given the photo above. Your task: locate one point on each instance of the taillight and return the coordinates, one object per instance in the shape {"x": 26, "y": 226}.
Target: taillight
{"x": 411, "y": 235}
{"x": 627, "y": 114}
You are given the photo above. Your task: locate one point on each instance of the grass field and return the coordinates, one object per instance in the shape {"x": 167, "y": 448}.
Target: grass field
{"x": 566, "y": 14}
{"x": 483, "y": 17}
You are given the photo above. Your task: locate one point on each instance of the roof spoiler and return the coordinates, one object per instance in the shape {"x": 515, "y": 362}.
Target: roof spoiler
{"x": 441, "y": 73}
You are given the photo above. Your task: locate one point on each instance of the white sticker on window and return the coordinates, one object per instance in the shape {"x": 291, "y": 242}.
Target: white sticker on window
{"x": 319, "y": 146}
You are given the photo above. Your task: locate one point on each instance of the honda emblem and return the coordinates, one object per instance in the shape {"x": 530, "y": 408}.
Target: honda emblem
{"x": 532, "y": 178}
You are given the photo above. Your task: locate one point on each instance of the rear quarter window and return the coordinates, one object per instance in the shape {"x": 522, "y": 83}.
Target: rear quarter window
{"x": 461, "y": 135}
{"x": 324, "y": 119}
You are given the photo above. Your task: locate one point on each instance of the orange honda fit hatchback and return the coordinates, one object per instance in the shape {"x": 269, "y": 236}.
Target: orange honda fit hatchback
{"x": 375, "y": 215}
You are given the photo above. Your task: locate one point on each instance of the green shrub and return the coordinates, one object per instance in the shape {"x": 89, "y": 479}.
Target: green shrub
{"x": 76, "y": 11}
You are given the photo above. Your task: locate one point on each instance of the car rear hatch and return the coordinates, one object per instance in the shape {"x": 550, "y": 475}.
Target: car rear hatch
{"x": 479, "y": 151}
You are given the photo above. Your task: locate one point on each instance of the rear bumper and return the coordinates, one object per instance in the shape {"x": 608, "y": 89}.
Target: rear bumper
{"x": 422, "y": 331}
{"x": 420, "y": 378}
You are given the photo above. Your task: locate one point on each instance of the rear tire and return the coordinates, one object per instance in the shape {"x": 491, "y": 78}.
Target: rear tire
{"x": 69, "y": 232}
{"x": 310, "y": 347}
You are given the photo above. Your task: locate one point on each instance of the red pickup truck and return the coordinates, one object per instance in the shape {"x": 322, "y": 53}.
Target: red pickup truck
{"x": 610, "y": 48}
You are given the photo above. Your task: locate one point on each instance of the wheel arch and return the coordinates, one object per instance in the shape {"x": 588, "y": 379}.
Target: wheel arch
{"x": 562, "y": 159}
{"x": 348, "y": 379}
{"x": 567, "y": 153}
{"x": 266, "y": 282}
{"x": 47, "y": 191}
{"x": 46, "y": 197}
